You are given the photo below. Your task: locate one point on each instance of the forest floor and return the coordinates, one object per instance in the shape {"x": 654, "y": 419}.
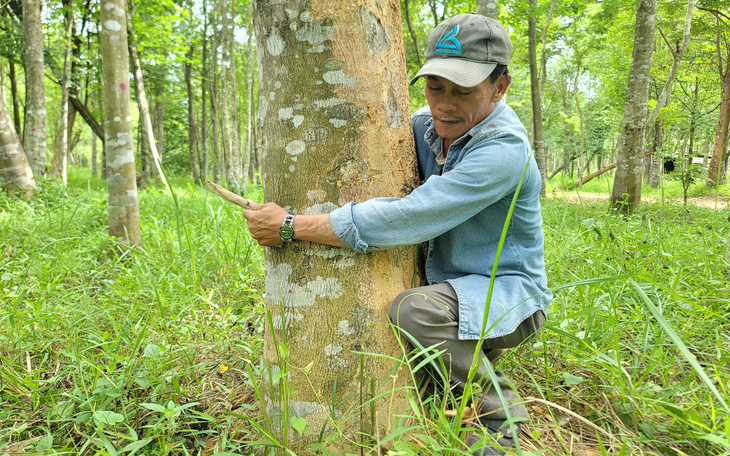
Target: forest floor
{"x": 717, "y": 202}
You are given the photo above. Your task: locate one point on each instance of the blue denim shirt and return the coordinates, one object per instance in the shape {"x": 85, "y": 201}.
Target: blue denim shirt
{"x": 461, "y": 210}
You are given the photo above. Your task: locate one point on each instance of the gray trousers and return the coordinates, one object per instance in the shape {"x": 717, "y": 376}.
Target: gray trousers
{"x": 430, "y": 315}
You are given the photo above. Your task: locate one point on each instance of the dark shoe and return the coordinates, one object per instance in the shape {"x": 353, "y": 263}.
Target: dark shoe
{"x": 501, "y": 438}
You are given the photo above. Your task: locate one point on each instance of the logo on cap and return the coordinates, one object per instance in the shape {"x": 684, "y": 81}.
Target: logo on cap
{"x": 449, "y": 44}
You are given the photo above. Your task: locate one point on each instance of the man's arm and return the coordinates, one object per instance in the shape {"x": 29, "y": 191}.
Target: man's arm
{"x": 264, "y": 221}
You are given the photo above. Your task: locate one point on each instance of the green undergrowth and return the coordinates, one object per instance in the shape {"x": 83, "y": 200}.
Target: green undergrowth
{"x": 157, "y": 352}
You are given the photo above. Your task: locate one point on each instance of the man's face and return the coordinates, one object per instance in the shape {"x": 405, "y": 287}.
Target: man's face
{"x": 457, "y": 109}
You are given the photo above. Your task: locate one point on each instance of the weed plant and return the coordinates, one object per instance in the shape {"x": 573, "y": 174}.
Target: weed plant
{"x": 157, "y": 352}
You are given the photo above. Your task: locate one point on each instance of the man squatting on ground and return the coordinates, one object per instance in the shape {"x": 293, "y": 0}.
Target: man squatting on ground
{"x": 472, "y": 151}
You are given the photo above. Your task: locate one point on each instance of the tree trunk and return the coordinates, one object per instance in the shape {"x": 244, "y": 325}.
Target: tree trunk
{"x": 158, "y": 120}
{"x": 626, "y": 194}
{"x": 412, "y": 32}
{"x": 35, "y": 89}
{"x": 538, "y": 140}
{"x": 143, "y": 147}
{"x": 203, "y": 93}
{"x": 16, "y": 174}
{"x": 214, "y": 123}
{"x": 60, "y": 156}
{"x": 94, "y": 157}
{"x": 214, "y": 98}
{"x": 16, "y": 97}
{"x": 247, "y": 153}
{"x": 142, "y": 105}
{"x": 345, "y": 60}
{"x": 657, "y": 157}
{"x": 192, "y": 127}
{"x": 721, "y": 132}
{"x": 488, "y": 8}
{"x": 234, "y": 177}
{"x": 119, "y": 147}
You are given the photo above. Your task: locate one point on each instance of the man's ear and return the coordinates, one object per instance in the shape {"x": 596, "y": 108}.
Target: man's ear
{"x": 501, "y": 87}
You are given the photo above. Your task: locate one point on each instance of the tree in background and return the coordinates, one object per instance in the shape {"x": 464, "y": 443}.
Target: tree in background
{"x": 15, "y": 171}
{"x": 335, "y": 127}
{"x": 60, "y": 155}
{"x": 35, "y": 89}
{"x": 538, "y": 138}
{"x": 121, "y": 173}
{"x": 715, "y": 173}
{"x": 626, "y": 194}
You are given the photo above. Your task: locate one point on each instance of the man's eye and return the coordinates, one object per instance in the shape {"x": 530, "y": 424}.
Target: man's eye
{"x": 462, "y": 93}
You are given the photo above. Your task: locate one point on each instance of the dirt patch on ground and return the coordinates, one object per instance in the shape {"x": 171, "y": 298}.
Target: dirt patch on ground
{"x": 711, "y": 202}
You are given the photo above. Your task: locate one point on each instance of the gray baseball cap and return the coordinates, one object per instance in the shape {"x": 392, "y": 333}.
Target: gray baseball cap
{"x": 465, "y": 49}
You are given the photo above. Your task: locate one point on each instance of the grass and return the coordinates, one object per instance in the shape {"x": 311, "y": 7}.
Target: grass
{"x": 158, "y": 352}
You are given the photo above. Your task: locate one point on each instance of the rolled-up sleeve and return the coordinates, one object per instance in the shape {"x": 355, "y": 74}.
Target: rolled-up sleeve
{"x": 343, "y": 224}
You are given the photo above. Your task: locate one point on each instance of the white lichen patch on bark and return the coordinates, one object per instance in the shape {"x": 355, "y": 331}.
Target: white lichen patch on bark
{"x": 343, "y": 327}
{"x": 274, "y": 43}
{"x": 280, "y": 290}
{"x": 339, "y": 77}
{"x": 313, "y": 32}
{"x": 329, "y": 102}
{"x": 332, "y": 349}
{"x": 320, "y": 208}
{"x": 112, "y": 25}
{"x": 296, "y": 147}
{"x": 263, "y": 108}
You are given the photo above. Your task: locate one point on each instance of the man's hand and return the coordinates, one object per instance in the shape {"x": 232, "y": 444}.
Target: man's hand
{"x": 264, "y": 221}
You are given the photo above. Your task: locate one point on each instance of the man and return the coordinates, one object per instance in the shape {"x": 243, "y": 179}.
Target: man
{"x": 474, "y": 162}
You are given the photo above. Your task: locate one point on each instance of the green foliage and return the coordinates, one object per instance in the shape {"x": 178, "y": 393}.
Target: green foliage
{"x": 123, "y": 355}
{"x": 146, "y": 353}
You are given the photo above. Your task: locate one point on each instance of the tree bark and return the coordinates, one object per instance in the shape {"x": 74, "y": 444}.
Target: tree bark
{"x": 247, "y": 152}
{"x": 538, "y": 140}
{"x": 60, "y": 156}
{"x": 121, "y": 174}
{"x": 16, "y": 175}
{"x": 335, "y": 126}
{"x": 657, "y": 157}
{"x": 488, "y": 8}
{"x": 94, "y": 156}
{"x": 16, "y": 97}
{"x": 721, "y": 131}
{"x": 626, "y": 194}
{"x": 35, "y": 89}
{"x": 234, "y": 177}
{"x": 203, "y": 93}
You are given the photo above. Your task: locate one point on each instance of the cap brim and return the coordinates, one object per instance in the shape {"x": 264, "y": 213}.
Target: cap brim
{"x": 461, "y": 72}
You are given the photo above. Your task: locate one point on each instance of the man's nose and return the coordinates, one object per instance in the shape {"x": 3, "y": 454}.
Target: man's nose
{"x": 445, "y": 103}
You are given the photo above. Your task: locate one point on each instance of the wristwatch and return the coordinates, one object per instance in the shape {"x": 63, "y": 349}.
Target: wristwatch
{"x": 287, "y": 229}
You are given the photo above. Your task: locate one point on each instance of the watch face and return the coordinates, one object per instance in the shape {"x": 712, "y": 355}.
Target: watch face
{"x": 286, "y": 232}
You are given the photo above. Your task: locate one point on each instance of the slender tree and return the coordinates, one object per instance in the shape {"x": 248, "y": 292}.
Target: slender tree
{"x": 35, "y": 89}
{"x": 626, "y": 194}
{"x": 15, "y": 172}
{"x": 118, "y": 144}
{"x": 335, "y": 128}
{"x": 144, "y": 110}
{"x": 723, "y": 123}
{"x": 203, "y": 92}
{"x": 60, "y": 156}
{"x": 538, "y": 139}
{"x": 192, "y": 127}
